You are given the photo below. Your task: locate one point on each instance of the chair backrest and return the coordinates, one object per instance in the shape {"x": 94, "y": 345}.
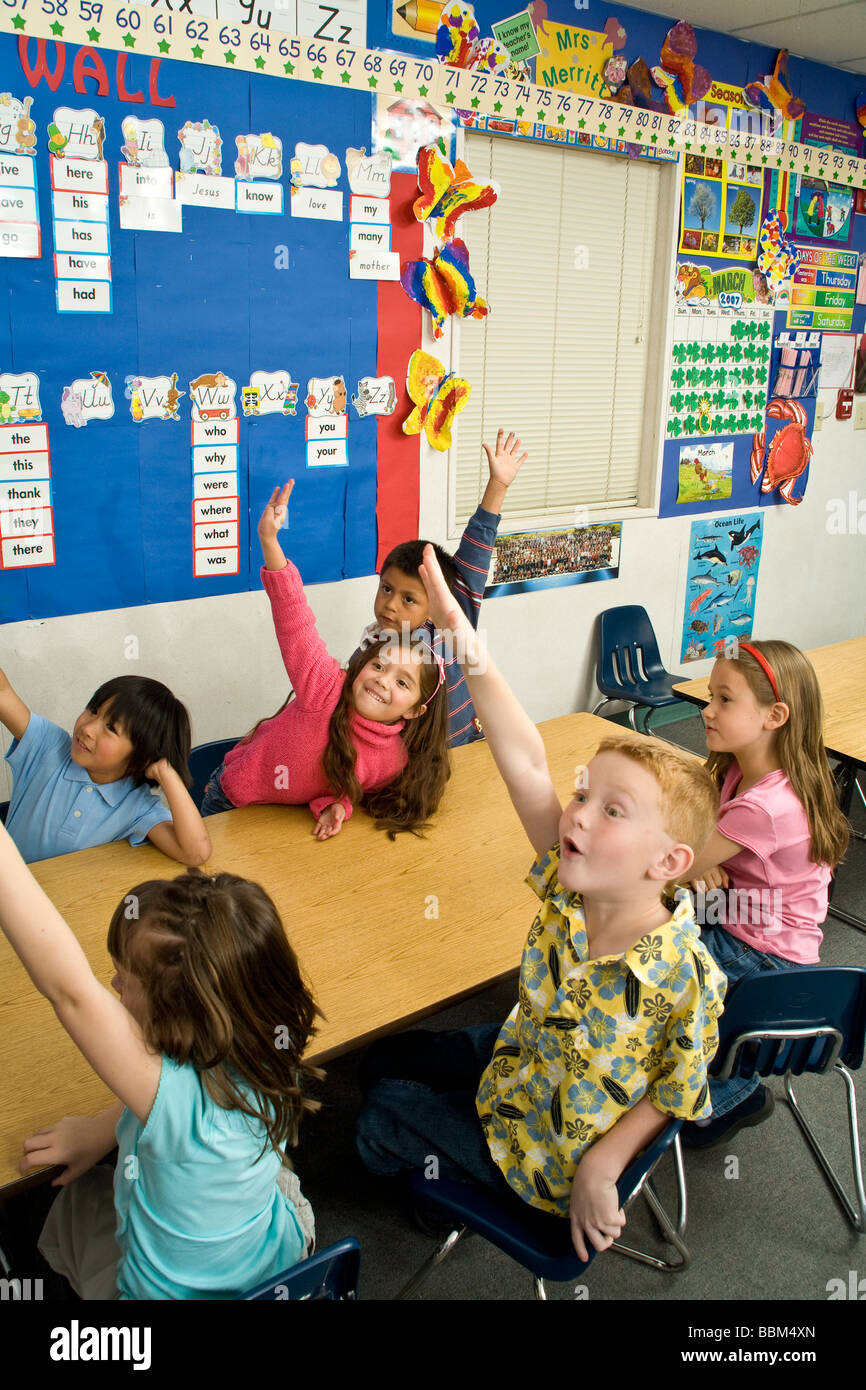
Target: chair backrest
{"x": 204, "y": 760}
{"x": 793, "y": 1020}
{"x": 628, "y": 653}
{"x": 331, "y": 1274}
{"x": 4, "y": 810}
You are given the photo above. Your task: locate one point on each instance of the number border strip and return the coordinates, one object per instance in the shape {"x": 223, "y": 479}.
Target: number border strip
{"x": 382, "y": 71}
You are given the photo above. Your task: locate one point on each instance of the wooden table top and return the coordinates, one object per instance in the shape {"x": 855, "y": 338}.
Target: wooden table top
{"x": 386, "y": 932}
{"x": 841, "y": 672}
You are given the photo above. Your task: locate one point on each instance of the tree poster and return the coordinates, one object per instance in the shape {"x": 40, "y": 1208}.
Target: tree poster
{"x": 720, "y": 207}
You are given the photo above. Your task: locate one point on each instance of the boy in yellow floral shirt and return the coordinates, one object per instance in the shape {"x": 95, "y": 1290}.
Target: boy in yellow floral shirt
{"x": 618, "y": 1003}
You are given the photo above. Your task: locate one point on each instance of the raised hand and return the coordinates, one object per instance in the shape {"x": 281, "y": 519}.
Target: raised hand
{"x": 505, "y": 459}
{"x": 275, "y": 513}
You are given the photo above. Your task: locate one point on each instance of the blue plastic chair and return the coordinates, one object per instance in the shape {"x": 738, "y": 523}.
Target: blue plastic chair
{"x": 785, "y": 1023}
{"x": 204, "y": 760}
{"x": 4, "y": 811}
{"x": 542, "y": 1242}
{"x": 629, "y": 666}
{"x": 331, "y": 1274}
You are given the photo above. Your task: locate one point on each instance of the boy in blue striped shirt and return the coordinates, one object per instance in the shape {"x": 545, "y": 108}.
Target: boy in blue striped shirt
{"x": 402, "y": 599}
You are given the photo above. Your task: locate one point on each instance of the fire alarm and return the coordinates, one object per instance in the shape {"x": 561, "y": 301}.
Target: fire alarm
{"x": 844, "y": 404}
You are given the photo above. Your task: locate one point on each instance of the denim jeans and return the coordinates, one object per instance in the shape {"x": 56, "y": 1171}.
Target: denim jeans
{"x": 215, "y": 799}
{"x": 738, "y": 961}
{"x": 419, "y": 1105}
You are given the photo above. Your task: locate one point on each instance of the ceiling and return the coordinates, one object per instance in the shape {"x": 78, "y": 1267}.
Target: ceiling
{"x": 827, "y": 31}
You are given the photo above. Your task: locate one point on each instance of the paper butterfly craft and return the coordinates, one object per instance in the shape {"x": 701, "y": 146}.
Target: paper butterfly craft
{"x": 677, "y": 61}
{"x": 447, "y": 193}
{"x": 772, "y": 91}
{"x": 444, "y": 286}
{"x": 437, "y": 396}
{"x": 458, "y": 42}
{"x": 777, "y": 258}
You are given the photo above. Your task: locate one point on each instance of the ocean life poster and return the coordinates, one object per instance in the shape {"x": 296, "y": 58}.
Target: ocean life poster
{"x": 721, "y": 580}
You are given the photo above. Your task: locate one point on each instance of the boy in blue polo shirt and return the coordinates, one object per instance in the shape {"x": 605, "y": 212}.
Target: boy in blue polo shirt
{"x": 74, "y": 792}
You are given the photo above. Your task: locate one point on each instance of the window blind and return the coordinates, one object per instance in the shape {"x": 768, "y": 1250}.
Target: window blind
{"x": 565, "y": 260}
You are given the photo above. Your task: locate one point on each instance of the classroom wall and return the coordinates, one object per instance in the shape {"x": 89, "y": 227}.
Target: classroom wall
{"x": 220, "y": 657}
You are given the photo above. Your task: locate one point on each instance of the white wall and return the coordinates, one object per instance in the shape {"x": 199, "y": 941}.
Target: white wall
{"x": 220, "y": 657}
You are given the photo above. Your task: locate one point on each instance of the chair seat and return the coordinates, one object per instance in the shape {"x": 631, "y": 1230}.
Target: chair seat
{"x": 538, "y": 1241}
{"x": 655, "y": 693}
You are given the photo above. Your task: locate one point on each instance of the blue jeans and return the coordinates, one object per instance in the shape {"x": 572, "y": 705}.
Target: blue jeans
{"x": 215, "y": 799}
{"x": 738, "y": 961}
{"x": 419, "y": 1105}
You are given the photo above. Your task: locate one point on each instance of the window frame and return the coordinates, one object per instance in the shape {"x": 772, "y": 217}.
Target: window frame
{"x": 439, "y": 494}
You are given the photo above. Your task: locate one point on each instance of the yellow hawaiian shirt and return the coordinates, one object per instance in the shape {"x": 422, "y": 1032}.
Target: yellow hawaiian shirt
{"x": 589, "y": 1038}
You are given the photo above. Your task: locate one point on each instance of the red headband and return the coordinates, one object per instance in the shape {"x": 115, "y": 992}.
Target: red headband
{"x": 763, "y": 662}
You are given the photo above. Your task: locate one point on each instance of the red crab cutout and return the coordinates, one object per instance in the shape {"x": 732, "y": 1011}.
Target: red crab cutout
{"x": 789, "y": 453}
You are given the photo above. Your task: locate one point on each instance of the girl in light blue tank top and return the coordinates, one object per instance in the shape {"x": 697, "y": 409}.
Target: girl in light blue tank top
{"x": 204, "y": 1050}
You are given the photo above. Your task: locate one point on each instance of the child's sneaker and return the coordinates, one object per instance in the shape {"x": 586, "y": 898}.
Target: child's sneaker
{"x": 756, "y": 1108}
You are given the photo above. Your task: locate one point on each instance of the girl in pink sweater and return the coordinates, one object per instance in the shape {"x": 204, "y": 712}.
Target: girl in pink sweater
{"x": 375, "y": 733}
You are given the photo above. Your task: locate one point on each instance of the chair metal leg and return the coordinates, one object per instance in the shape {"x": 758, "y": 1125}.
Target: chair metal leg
{"x": 672, "y": 1234}
{"x": 428, "y": 1266}
{"x": 856, "y": 1216}
{"x": 601, "y": 704}
{"x": 540, "y": 1291}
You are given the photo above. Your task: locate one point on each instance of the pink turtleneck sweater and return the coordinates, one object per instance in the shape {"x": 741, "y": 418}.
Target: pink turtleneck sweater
{"x": 288, "y": 748}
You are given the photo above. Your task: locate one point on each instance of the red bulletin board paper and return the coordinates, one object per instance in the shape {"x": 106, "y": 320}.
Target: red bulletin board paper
{"x": 398, "y": 454}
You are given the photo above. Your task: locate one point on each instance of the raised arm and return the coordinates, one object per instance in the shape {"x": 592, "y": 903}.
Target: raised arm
{"x": 515, "y": 742}
{"x": 505, "y": 462}
{"x": 472, "y": 556}
{"x": 96, "y": 1021}
{"x": 312, "y": 671}
{"x": 13, "y": 711}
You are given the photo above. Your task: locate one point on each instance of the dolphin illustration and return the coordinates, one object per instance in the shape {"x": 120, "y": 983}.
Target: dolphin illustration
{"x": 714, "y": 556}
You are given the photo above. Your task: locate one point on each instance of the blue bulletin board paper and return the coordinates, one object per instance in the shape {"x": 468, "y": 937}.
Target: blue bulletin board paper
{"x": 233, "y": 293}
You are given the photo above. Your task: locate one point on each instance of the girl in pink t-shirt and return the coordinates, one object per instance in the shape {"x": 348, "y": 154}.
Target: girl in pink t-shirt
{"x": 779, "y": 836}
{"x": 375, "y": 733}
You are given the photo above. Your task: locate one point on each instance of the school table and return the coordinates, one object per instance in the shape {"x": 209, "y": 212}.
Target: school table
{"x": 841, "y": 672}
{"x": 386, "y": 932}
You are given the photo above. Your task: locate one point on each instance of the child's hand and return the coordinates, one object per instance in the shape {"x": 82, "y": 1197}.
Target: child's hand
{"x": 77, "y": 1141}
{"x": 594, "y": 1210}
{"x": 445, "y": 612}
{"x": 504, "y": 461}
{"x": 275, "y": 513}
{"x": 711, "y": 879}
{"x": 330, "y": 821}
{"x": 156, "y": 771}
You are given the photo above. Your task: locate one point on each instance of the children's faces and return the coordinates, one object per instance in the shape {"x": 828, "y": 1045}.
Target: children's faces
{"x": 612, "y": 835}
{"x": 734, "y": 721}
{"x": 401, "y": 598}
{"x": 388, "y": 688}
{"x": 100, "y": 746}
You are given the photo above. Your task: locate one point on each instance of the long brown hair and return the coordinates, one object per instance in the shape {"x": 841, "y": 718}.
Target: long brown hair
{"x": 224, "y": 992}
{"x": 799, "y": 742}
{"x": 406, "y": 803}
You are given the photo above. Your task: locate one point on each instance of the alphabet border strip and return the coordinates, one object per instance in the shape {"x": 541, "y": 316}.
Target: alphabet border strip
{"x": 166, "y": 33}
